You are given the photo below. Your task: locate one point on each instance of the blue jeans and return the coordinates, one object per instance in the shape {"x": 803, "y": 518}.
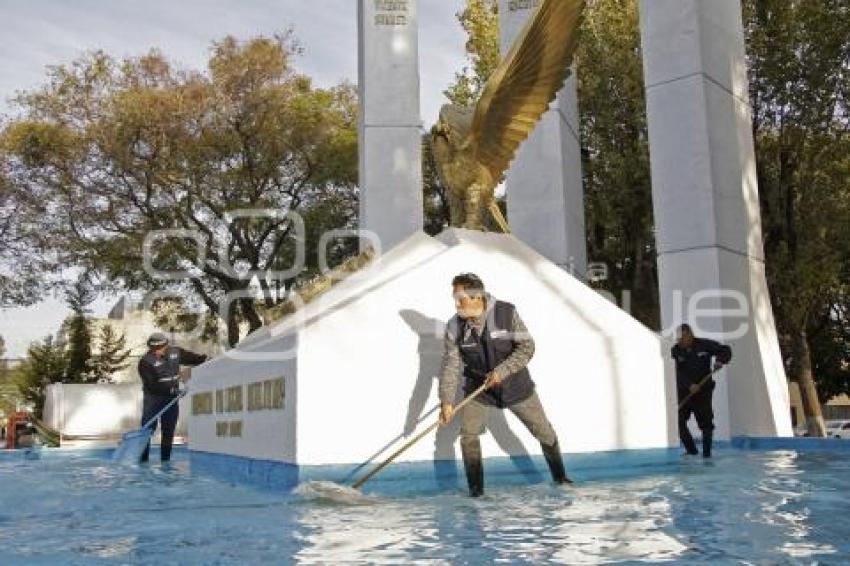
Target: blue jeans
{"x": 151, "y": 405}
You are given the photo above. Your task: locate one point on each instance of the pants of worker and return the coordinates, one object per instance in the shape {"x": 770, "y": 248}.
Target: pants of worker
{"x": 700, "y": 406}
{"x": 530, "y": 412}
{"x": 151, "y": 406}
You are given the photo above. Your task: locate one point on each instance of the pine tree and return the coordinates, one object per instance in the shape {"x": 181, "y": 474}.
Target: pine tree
{"x": 78, "y": 299}
{"x": 46, "y": 363}
{"x": 111, "y": 356}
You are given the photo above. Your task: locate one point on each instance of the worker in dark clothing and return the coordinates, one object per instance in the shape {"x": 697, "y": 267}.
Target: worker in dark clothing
{"x": 489, "y": 340}
{"x": 693, "y": 363}
{"x": 160, "y": 373}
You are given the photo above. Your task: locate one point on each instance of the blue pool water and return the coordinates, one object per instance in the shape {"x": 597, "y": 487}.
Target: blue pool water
{"x": 744, "y": 506}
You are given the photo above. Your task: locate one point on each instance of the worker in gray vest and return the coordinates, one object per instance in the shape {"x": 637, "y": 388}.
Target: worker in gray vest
{"x": 490, "y": 342}
{"x": 160, "y": 373}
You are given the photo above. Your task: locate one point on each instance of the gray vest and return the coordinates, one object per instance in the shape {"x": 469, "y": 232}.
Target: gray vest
{"x": 482, "y": 354}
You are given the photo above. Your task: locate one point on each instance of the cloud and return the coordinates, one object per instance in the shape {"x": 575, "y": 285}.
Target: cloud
{"x": 39, "y": 33}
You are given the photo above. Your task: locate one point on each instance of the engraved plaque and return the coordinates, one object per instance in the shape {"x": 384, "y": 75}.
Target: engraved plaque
{"x": 202, "y": 403}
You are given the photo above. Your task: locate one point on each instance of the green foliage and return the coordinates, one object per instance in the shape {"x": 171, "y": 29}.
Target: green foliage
{"x": 111, "y": 355}
{"x": 799, "y": 53}
{"x": 116, "y": 149}
{"x": 798, "y": 56}
{"x": 615, "y": 154}
{"x": 51, "y": 361}
{"x": 78, "y": 333}
{"x": 831, "y": 350}
{"x": 435, "y": 195}
{"x": 46, "y": 363}
{"x": 24, "y": 274}
{"x": 480, "y": 21}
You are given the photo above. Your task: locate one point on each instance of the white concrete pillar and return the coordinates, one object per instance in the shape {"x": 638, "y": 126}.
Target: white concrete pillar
{"x": 390, "y": 128}
{"x": 544, "y": 185}
{"x": 705, "y": 195}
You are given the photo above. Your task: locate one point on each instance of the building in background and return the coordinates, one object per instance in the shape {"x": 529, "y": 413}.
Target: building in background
{"x": 128, "y": 317}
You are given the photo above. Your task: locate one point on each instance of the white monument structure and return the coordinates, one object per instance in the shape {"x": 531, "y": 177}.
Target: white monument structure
{"x": 390, "y": 130}
{"x": 705, "y": 196}
{"x": 357, "y": 367}
{"x": 325, "y": 387}
{"x": 544, "y": 185}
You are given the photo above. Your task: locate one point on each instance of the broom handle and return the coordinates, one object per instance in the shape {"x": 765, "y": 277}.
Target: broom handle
{"x": 699, "y": 386}
{"x": 416, "y": 439}
{"x": 161, "y": 411}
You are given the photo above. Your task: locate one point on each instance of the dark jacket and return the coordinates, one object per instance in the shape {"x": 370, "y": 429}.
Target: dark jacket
{"x": 161, "y": 376}
{"x": 694, "y": 363}
{"x": 482, "y": 354}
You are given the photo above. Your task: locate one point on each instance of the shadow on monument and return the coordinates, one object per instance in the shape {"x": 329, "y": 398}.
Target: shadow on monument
{"x": 430, "y": 350}
{"x": 607, "y": 338}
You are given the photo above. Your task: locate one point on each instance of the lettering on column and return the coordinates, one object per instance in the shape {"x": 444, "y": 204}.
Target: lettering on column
{"x": 392, "y": 12}
{"x": 517, "y": 5}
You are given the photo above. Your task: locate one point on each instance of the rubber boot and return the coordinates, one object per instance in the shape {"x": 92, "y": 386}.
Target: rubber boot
{"x": 706, "y": 444}
{"x": 165, "y": 449}
{"x": 555, "y": 461}
{"x": 474, "y": 476}
{"x": 688, "y": 441}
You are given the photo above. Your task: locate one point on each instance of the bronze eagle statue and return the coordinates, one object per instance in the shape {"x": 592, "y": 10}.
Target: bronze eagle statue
{"x": 473, "y": 147}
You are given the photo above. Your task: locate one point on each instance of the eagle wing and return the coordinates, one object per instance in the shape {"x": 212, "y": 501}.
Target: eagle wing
{"x": 520, "y": 90}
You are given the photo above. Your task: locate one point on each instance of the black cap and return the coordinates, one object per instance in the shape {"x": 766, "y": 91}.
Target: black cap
{"x": 157, "y": 339}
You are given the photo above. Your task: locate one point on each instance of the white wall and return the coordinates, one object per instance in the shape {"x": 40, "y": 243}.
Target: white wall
{"x": 599, "y": 373}
{"x": 98, "y": 410}
{"x": 368, "y": 353}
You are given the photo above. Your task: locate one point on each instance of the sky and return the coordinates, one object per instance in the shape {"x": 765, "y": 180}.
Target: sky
{"x": 35, "y": 34}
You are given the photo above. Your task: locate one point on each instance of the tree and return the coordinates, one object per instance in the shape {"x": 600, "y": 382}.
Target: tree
{"x": 830, "y": 350}
{"x": 799, "y": 56}
{"x": 435, "y": 196}
{"x": 24, "y": 275}
{"x": 480, "y": 20}
{"x": 798, "y": 59}
{"x": 111, "y": 355}
{"x": 118, "y": 151}
{"x": 615, "y": 154}
{"x": 46, "y": 363}
{"x": 77, "y": 330}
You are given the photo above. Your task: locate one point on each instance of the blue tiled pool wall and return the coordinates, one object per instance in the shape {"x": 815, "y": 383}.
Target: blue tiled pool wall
{"x": 440, "y": 475}
{"x": 802, "y": 444}
{"x": 235, "y": 469}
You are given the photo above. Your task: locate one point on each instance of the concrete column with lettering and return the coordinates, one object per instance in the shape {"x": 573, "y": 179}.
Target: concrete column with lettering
{"x": 390, "y": 126}
{"x": 544, "y": 185}
{"x": 705, "y": 197}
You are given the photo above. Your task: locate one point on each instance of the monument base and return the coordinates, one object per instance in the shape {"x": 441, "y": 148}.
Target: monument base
{"x": 350, "y": 375}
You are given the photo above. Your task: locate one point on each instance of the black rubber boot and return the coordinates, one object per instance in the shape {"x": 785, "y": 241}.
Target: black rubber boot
{"x": 706, "y": 444}
{"x": 688, "y": 441}
{"x": 556, "y": 463}
{"x": 474, "y": 476}
{"x": 165, "y": 448}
